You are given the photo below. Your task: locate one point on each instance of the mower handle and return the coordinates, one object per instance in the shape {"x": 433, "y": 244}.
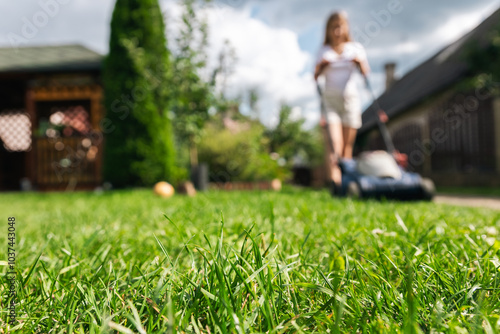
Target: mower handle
{"x": 386, "y": 136}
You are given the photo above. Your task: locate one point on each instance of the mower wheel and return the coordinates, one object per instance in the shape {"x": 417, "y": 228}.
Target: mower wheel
{"x": 353, "y": 190}
{"x": 428, "y": 189}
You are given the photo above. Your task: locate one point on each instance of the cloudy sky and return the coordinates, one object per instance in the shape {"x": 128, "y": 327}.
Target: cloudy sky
{"x": 275, "y": 40}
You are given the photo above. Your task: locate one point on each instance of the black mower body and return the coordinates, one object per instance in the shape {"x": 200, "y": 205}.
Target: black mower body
{"x": 411, "y": 186}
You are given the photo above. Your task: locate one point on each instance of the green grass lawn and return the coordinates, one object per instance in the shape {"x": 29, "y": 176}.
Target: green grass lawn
{"x": 241, "y": 262}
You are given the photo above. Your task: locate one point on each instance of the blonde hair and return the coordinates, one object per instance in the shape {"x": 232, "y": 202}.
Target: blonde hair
{"x": 342, "y": 16}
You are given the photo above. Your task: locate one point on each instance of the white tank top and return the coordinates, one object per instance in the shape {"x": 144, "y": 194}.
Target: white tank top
{"x": 338, "y": 75}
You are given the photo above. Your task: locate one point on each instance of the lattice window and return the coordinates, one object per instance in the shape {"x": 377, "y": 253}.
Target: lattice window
{"x": 15, "y": 130}
{"x": 73, "y": 120}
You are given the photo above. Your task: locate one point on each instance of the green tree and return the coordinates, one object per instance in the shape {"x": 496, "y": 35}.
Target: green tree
{"x": 482, "y": 57}
{"x": 225, "y": 68}
{"x": 139, "y": 146}
{"x": 289, "y": 138}
{"x": 193, "y": 95}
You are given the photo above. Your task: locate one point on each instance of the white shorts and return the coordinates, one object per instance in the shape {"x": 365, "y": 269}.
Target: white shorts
{"x": 343, "y": 108}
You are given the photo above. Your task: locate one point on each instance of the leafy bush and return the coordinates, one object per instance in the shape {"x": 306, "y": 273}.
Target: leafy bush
{"x": 241, "y": 156}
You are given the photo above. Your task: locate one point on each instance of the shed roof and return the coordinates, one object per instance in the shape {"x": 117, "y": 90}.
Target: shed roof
{"x": 48, "y": 58}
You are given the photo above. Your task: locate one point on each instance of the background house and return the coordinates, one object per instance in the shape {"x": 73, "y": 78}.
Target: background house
{"x": 450, "y": 133}
{"x": 50, "y": 109}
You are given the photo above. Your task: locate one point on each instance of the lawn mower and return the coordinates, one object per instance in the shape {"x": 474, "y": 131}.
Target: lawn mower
{"x": 379, "y": 174}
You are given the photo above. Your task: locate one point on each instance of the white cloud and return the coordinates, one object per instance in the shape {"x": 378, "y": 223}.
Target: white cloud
{"x": 269, "y": 59}
{"x": 411, "y": 52}
{"x": 399, "y": 49}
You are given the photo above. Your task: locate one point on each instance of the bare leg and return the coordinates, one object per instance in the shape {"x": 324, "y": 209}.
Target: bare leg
{"x": 332, "y": 168}
{"x": 349, "y": 136}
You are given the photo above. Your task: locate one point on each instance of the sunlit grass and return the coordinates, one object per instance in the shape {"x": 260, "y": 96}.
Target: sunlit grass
{"x": 241, "y": 262}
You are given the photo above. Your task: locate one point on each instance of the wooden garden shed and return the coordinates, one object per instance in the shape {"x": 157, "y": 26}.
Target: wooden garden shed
{"x": 50, "y": 109}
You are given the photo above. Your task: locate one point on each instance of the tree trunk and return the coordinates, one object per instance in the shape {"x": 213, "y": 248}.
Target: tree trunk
{"x": 193, "y": 153}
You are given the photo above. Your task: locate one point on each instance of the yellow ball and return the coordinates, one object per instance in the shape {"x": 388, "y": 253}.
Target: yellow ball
{"x": 276, "y": 184}
{"x": 164, "y": 189}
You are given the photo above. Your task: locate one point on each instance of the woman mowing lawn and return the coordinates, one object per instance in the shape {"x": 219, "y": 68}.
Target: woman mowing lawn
{"x": 337, "y": 60}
